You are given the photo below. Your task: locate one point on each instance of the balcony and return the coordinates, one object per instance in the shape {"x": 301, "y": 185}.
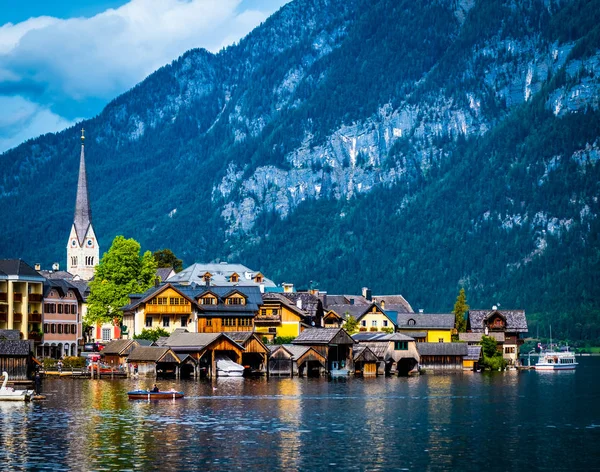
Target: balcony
{"x": 35, "y": 318}
{"x": 18, "y": 317}
{"x": 178, "y": 309}
{"x": 18, "y": 297}
{"x": 35, "y": 297}
{"x": 3, "y": 317}
{"x": 3, "y": 297}
{"x": 267, "y": 320}
{"x": 35, "y": 336}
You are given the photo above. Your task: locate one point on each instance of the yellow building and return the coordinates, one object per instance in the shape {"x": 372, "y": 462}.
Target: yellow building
{"x": 21, "y": 297}
{"x": 426, "y": 327}
{"x": 279, "y": 317}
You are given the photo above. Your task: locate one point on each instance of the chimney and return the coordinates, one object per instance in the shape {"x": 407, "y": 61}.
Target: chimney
{"x": 38, "y": 266}
{"x": 366, "y": 292}
{"x": 299, "y": 303}
{"x": 55, "y": 266}
{"x": 323, "y": 299}
{"x": 262, "y": 288}
{"x": 156, "y": 281}
{"x": 382, "y": 303}
{"x": 420, "y": 310}
{"x": 288, "y": 288}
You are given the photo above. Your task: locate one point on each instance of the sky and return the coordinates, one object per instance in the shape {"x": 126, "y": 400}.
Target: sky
{"x": 62, "y": 61}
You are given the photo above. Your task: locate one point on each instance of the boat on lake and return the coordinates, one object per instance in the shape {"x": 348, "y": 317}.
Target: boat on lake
{"x": 10, "y": 394}
{"x": 227, "y": 368}
{"x": 150, "y": 395}
{"x": 556, "y": 360}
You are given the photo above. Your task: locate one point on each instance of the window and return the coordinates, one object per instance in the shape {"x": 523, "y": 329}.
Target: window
{"x": 263, "y": 312}
{"x": 228, "y": 321}
{"x": 60, "y": 308}
{"x": 234, "y": 301}
{"x": 411, "y": 322}
{"x": 73, "y": 329}
{"x": 174, "y": 301}
{"x": 106, "y": 334}
{"x": 46, "y": 328}
{"x": 152, "y": 302}
{"x": 208, "y": 301}
{"x": 374, "y": 323}
{"x": 53, "y": 328}
{"x": 509, "y": 350}
{"x": 245, "y": 322}
{"x": 208, "y": 321}
{"x": 162, "y": 300}
{"x": 234, "y": 278}
{"x": 184, "y": 321}
{"x": 363, "y": 323}
{"x": 258, "y": 279}
{"x": 165, "y": 321}
{"x": 385, "y": 323}
{"x": 401, "y": 345}
{"x": 73, "y": 260}
{"x": 440, "y": 340}
{"x": 275, "y": 312}
{"x": 60, "y": 329}
{"x": 148, "y": 322}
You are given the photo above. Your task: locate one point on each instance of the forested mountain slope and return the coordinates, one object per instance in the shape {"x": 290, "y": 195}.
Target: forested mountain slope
{"x": 413, "y": 147}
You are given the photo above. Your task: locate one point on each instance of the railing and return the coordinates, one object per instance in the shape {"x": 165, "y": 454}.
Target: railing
{"x": 179, "y": 309}
{"x": 35, "y": 318}
{"x": 18, "y": 297}
{"x": 265, "y": 319}
{"x": 35, "y": 297}
{"x": 35, "y": 336}
{"x": 18, "y": 317}
{"x": 3, "y": 297}
{"x": 3, "y": 316}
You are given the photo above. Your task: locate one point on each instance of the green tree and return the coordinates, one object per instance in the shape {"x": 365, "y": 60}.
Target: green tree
{"x": 121, "y": 271}
{"x": 166, "y": 258}
{"x": 492, "y": 358}
{"x": 152, "y": 334}
{"x": 351, "y": 325}
{"x": 460, "y": 311}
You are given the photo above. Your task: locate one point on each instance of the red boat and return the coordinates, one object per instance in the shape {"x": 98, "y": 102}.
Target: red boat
{"x": 149, "y": 395}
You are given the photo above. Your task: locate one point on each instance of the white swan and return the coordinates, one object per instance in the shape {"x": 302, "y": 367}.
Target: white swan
{"x": 5, "y": 374}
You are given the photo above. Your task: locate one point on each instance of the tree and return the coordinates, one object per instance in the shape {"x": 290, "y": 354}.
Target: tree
{"x": 152, "y": 334}
{"x": 460, "y": 310}
{"x": 121, "y": 271}
{"x": 166, "y": 258}
{"x": 492, "y": 358}
{"x": 351, "y": 325}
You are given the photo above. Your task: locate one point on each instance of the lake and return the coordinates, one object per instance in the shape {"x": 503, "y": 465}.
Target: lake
{"x": 494, "y": 421}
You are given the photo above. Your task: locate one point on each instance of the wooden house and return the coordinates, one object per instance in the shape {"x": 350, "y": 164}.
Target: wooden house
{"x": 332, "y": 320}
{"x": 15, "y": 355}
{"x": 116, "y": 352}
{"x": 365, "y": 362}
{"x": 290, "y": 359}
{"x": 255, "y": 357}
{"x": 396, "y": 352}
{"x": 437, "y": 327}
{"x": 471, "y": 360}
{"x": 225, "y": 309}
{"x": 335, "y": 345}
{"x": 204, "y": 347}
{"x": 370, "y": 317}
{"x": 279, "y": 317}
{"x": 154, "y": 361}
{"x": 511, "y": 323}
{"x": 442, "y": 356}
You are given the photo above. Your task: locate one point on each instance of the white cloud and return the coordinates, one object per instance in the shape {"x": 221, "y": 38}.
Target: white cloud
{"x": 50, "y": 60}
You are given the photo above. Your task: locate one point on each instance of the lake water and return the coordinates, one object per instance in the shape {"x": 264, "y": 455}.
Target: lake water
{"x": 500, "y": 421}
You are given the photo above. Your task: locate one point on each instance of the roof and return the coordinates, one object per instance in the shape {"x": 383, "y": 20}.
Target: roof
{"x": 164, "y": 272}
{"x": 305, "y": 301}
{"x": 148, "y": 354}
{"x": 473, "y": 353}
{"x": 286, "y": 301}
{"x": 14, "y": 348}
{"x": 429, "y": 320}
{"x": 323, "y": 336}
{"x": 515, "y": 320}
{"x": 329, "y": 300}
{"x": 414, "y": 334}
{"x": 118, "y": 346}
{"x": 18, "y": 267}
{"x": 442, "y": 349}
{"x": 144, "y": 342}
{"x": 398, "y": 301}
{"x": 62, "y": 286}
{"x": 56, "y": 274}
{"x": 364, "y": 354}
{"x": 194, "y": 341}
{"x": 295, "y": 350}
{"x": 377, "y": 348}
{"x": 220, "y": 275}
{"x": 10, "y": 334}
{"x": 380, "y": 337}
{"x": 476, "y": 337}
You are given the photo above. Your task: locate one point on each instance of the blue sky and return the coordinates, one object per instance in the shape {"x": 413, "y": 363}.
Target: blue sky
{"x": 62, "y": 61}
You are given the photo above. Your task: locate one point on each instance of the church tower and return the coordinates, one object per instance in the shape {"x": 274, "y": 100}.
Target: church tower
{"x": 83, "y": 252}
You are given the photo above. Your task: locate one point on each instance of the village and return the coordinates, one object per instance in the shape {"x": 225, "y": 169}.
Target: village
{"x": 223, "y": 319}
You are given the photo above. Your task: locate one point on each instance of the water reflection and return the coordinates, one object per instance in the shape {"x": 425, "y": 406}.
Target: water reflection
{"x": 432, "y": 422}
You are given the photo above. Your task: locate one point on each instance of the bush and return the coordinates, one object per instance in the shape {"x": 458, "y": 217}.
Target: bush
{"x": 283, "y": 339}
{"x": 73, "y": 362}
{"x": 373, "y": 329}
{"x": 49, "y": 363}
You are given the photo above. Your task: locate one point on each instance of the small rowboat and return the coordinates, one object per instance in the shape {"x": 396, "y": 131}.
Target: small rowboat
{"x": 148, "y": 395}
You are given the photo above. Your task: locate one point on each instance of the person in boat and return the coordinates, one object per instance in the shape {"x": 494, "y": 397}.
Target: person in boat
{"x": 155, "y": 389}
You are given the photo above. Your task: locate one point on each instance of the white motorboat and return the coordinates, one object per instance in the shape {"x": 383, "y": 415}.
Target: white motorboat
{"x": 556, "y": 360}
{"x": 227, "y": 368}
{"x": 10, "y": 394}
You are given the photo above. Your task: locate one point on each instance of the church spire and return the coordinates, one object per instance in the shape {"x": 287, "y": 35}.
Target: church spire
{"x": 83, "y": 211}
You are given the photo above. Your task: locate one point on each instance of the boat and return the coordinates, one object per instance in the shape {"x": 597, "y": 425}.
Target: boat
{"x": 338, "y": 370}
{"x": 10, "y": 394}
{"x": 227, "y": 368}
{"x": 556, "y": 360}
{"x": 150, "y": 395}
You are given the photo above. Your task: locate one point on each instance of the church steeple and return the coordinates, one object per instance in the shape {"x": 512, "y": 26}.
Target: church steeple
{"x": 83, "y": 252}
{"x": 83, "y": 211}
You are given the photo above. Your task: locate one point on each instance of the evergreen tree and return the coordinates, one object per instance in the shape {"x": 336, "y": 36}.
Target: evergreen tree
{"x": 121, "y": 272}
{"x": 351, "y": 325}
{"x": 460, "y": 311}
{"x": 166, "y": 258}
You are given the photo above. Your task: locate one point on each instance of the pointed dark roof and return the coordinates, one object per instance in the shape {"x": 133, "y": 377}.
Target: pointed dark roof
{"x": 18, "y": 267}
{"x": 83, "y": 211}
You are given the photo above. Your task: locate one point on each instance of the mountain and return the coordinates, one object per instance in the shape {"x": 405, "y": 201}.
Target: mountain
{"x": 412, "y": 147}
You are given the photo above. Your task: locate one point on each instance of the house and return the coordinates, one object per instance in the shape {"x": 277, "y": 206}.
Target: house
{"x": 21, "y": 296}
{"x": 15, "y": 355}
{"x": 396, "y": 352}
{"x": 334, "y": 344}
{"x": 155, "y": 361}
{"x": 429, "y": 327}
{"x": 511, "y": 323}
{"x": 332, "y": 320}
{"x": 291, "y": 359}
{"x": 309, "y": 302}
{"x": 471, "y": 360}
{"x": 278, "y": 316}
{"x": 365, "y": 361}
{"x": 442, "y": 355}
{"x": 255, "y": 356}
{"x": 116, "y": 352}
{"x": 222, "y": 274}
{"x": 164, "y": 273}
{"x": 204, "y": 348}
{"x": 63, "y": 327}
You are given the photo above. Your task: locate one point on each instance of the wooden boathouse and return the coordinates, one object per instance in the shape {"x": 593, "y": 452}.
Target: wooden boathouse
{"x": 442, "y": 356}
{"x": 15, "y": 355}
{"x": 291, "y": 359}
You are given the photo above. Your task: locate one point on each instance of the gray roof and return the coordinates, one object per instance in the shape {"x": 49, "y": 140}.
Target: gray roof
{"x": 281, "y": 298}
{"x": 343, "y": 300}
{"x": 164, "y": 272}
{"x": 56, "y": 274}
{"x": 144, "y": 342}
{"x": 119, "y": 346}
{"x": 62, "y": 286}
{"x": 515, "y": 320}
{"x": 378, "y": 348}
{"x": 10, "y": 334}
{"x": 442, "y": 349}
{"x": 394, "y": 302}
{"x": 12, "y": 348}
{"x": 194, "y": 341}
{"x": 429, "y": 320}
{"x": 147, "y": 354}
{"x": 365, "y": 354}
{"x": 296, "y": 351}
{"x": 322, "y": 336}
{"x": 19, "y": 268}
{"x": 473, "y": 353}
{"x": 83, "y": 210}
{"x": 380, "y": 337}
{"x": 414, "y": 334}
{"x": 221, "y": 274}
{"x": 308, "y": 302}
{"x": 476, "y": 337}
